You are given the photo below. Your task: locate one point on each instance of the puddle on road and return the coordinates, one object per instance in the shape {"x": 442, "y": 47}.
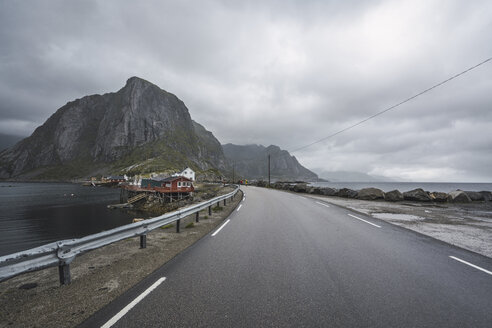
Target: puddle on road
{"x": 399, "y": 217}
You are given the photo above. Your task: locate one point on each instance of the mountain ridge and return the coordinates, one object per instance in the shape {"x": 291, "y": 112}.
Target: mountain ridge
{"x": 110, "y": 132}
{"x": 250, "y": 161}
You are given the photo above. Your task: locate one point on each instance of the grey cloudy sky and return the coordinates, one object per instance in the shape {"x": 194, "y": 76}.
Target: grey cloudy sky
{"x": 274, "y": 72}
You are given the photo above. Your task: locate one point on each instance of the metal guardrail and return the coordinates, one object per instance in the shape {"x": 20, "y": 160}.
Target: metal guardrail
{"x": 62, "y": 253}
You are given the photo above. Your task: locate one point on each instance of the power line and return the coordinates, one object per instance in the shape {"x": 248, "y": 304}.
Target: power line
{"x": 392, "y": 107}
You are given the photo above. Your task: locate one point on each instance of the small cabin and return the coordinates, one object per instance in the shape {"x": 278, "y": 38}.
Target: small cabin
{"x": 169, "y": 185}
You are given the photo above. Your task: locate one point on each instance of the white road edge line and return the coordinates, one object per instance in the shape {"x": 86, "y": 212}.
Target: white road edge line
{"x": 303, "y": 197}
{"x": 222, "y": 226}
{"x": 127, "y": 308}
{"x": 472, "y": 265}
{"x": 322, "y": 204}
{"x": 239, "y": 208}
{"x": 364, "y": 220}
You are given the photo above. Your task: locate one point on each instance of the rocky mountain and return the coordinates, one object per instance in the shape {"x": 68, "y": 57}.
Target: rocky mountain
{"x": 251, "y": 162}
{"x": 140, "y": 128}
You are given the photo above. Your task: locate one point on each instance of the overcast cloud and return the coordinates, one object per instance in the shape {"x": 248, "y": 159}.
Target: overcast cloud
{"x": 273, "y": 72}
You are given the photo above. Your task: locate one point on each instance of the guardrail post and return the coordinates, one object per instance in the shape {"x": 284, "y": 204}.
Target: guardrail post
{"x": 197, "y": 219}
{"x": 218, "y": 204}
{"x": 177, "y": 226}
{"x": 143, "y": 241}
{"x": 64, "y": 273}
{"x": 210, "y": 210}
{"x": 224, "y": 202}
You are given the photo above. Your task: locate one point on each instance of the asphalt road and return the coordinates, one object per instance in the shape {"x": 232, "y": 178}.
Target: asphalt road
{"x": 286, "y": 260}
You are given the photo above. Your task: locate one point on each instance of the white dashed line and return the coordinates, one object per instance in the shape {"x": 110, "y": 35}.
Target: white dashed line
{"x": 323, "y": 204}
{"x": 239, "y": 208}
{"x": 472, "y": 265}
{"x": 364, "y": 220}
{"x": 127, "y": 308}
{"x": 222, "y": 226}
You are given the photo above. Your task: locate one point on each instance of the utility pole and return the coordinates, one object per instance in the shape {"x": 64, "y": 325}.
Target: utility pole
{"x": 268, "y": 170}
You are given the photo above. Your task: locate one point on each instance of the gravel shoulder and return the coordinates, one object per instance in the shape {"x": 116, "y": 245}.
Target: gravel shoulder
{"x": 468, "y": 226}
{"x": 37, "y": 300}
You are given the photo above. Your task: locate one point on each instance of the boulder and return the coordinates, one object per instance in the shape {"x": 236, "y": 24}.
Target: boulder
{"x": 329, "y": 191}
{"x": 418, "y": 195}
{"x": 277, "y": 185}
{"x": 487, "y": 195}
{"x": 300, "y": 187}
{"x": 347, "y": 193}
{"x": 393, "y": 196}
{"x": 440, "y": 197}
{"x": 458, "y": 196}
{"x": 370, "y": 194}
{"x": 261, "y": 183}
{"x": 315, "y": 191}
{"x": 475, "y": 196}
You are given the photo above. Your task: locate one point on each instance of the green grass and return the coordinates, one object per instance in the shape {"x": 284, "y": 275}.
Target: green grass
{"x": 217, "y": 208}
{"x": 167, "y": 226}
{"x": 190, "y": 225}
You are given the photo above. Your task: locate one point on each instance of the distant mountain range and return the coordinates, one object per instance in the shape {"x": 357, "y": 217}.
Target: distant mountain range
{"x": 350, "y": 176}
{"x": 251, "y": 162}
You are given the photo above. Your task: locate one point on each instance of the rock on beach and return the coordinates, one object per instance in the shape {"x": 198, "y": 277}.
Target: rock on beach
{"x": 418, "y": 195}
{"x": 458, "y": 196}
{"x": 347, "y": 193}
{"x": 370, "y": 194}
{"x": 329, "y": 191}
{"x": 393, "y": 196}
{"x": 475, "y": 196}
{"x": 437, "y": 196}
{"x": 487, "y": 195}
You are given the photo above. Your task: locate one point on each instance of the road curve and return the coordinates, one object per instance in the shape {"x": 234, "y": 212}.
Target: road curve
{"x": 285, "y": 260}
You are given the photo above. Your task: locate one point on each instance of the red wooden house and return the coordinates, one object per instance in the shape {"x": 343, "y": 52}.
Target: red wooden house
{"x": 169, "y": 185}
{"x": 166, "y": 190}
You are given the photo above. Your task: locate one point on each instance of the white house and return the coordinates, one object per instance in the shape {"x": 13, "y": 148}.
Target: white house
{"x": 187, "y": 173}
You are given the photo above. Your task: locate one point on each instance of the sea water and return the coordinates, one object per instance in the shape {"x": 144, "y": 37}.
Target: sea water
{"x": 34, "y": 214}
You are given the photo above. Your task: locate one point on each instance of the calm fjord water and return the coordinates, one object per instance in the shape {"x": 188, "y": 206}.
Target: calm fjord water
{"x": 34, "y": 214}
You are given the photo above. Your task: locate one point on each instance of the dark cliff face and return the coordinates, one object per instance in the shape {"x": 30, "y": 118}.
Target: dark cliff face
{"x": 251, "y": 161}
{"x": 137, "y": 123}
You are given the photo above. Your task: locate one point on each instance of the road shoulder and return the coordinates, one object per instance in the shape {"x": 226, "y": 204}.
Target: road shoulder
{"x": 467, "y": 226}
